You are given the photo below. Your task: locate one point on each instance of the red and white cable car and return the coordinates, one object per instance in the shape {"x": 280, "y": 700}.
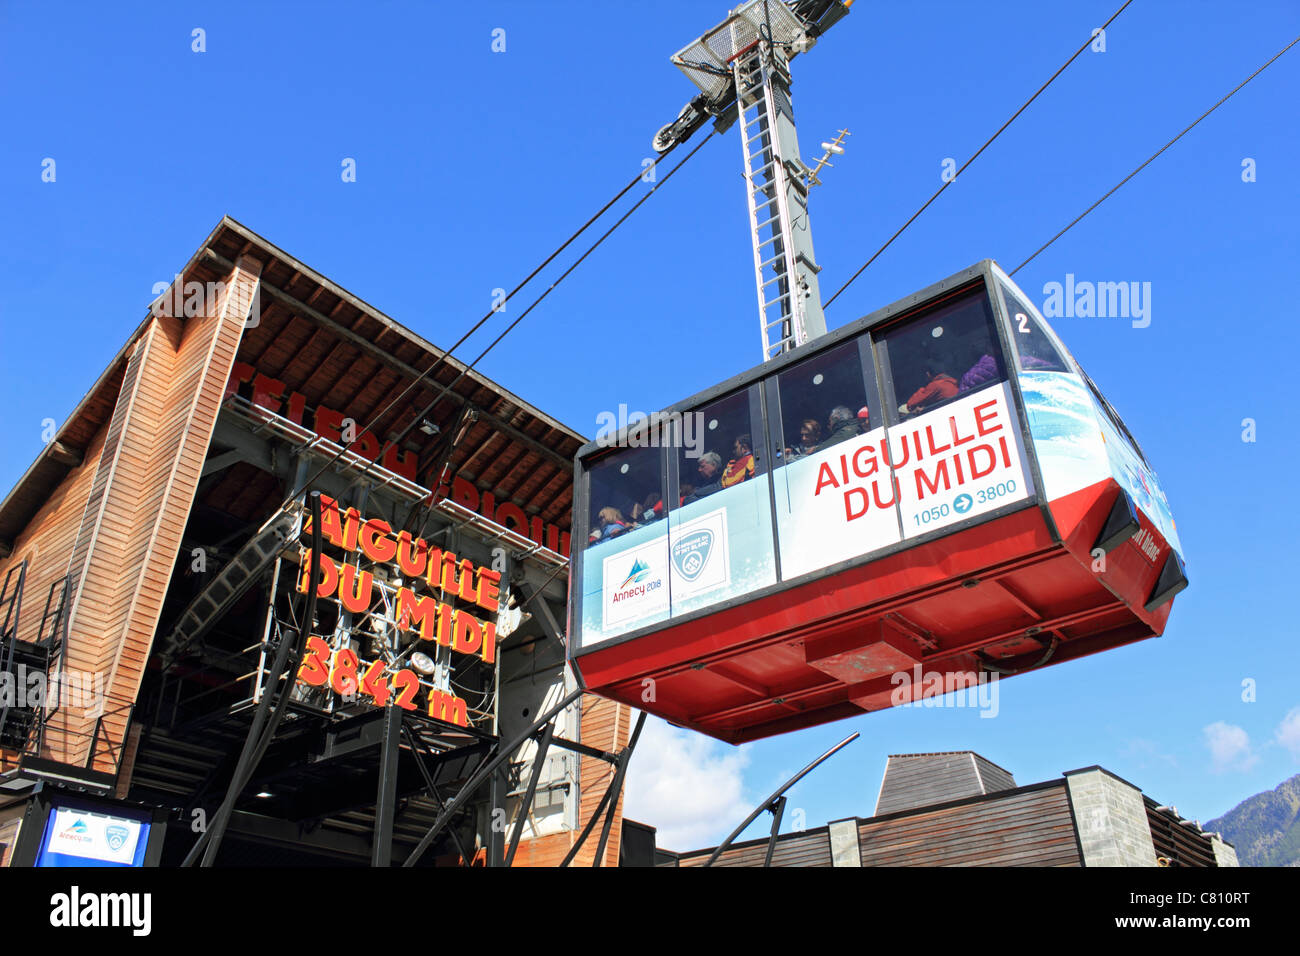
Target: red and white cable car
{"x": 928, "y": 495}
{"x": 935, "y": 489}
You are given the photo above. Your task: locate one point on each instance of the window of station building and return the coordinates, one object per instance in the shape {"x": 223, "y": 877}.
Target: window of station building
{"x": 950, "y": 351}
{"x": 621, "y": 484}
{"x": 717, "y": 448}
{"x": 825, "y": 400}
{"x": 1033, "y": 342}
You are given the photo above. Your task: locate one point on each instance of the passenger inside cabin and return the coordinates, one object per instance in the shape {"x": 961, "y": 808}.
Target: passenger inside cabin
{"x": 1033, "y": 363}
{"x": 939, "y": 386}
{"x": 710, "y": 472}
{"x": 864, "y": 419}
{"x": 810, "y": 436}
{"x": 610, "y": 523}
{"x": 980, "y": 374}
{"x": 651, "y": 510}
{"x": 842, "y": 425}
{"x": 741, "y": 467}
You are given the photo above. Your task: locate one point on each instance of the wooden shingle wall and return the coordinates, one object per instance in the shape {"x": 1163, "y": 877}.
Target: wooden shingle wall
{"x": 144, "y": 484}
{"x": 1030, "y": 827}
{"x": 47, "y": 544}
{"x": 811, "y": 848}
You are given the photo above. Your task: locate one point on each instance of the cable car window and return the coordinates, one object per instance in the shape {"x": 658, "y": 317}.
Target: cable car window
{"x": 824, "y": 401}
{"x": 835, "y": 499}
{"x": 623, "y": 577}
{"x": 1116, "y": 422}
{"x": 720, "y": 542}
{"x": 717, "y": 448}
{"x": 1038, "y": 352}
{"x": 621, "y": 483}
{"x": 936, "y": 357}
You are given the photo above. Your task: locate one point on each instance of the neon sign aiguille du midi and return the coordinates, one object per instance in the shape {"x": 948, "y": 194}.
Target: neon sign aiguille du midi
{"x": 435, "y": 620}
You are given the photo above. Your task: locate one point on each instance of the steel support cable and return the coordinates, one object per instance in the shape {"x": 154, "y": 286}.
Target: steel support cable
{"x": 986, "y": 145}
{"x": 1074, "y": 222}
{"x": 537, "y": 301}
{"x": 481, "y": 322}
{"x": 255, "y": 744}
{"x": 551, "y": 288}
{"x": 428, "y": 408}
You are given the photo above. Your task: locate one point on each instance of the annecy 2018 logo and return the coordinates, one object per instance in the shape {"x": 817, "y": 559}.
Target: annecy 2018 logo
{"x": 78, "y": 832}
{"x": 636, "y": 586}
{"x": 639, "y": 570}
{"x": 691, "y": 553}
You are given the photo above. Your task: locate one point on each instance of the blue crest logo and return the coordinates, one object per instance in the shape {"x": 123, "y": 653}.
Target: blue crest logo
{"x": 116, "y": 836}
{"x": 691, "y": 553}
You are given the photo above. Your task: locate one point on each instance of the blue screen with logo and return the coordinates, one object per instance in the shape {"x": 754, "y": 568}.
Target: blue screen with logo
{"x": 77, "y": 837}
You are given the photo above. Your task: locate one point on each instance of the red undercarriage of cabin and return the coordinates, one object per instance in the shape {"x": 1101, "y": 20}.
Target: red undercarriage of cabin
{"x": 998, "y": 598}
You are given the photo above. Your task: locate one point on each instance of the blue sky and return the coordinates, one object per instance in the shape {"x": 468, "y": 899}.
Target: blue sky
{"x": 472, "y": 165}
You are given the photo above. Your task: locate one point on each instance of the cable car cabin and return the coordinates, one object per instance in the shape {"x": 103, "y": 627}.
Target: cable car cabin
{"x": 937, "y": 488}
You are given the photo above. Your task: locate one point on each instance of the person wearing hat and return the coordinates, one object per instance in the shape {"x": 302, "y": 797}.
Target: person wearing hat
{"x": 864, "y": 419}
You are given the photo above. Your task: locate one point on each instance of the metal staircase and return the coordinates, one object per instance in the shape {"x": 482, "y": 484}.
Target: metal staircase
{"x": 233, "y": 580}
{"x": 23, "y": 717}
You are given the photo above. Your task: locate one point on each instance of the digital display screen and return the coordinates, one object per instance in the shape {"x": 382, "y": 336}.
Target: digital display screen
{"x": 75, "y": 837}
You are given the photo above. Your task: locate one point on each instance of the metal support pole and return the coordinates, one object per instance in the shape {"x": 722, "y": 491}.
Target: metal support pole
{"x": 771, "y": 801}
{"x": 433, "y": 790}
{"x": 539, "y": 760}
{"x": 617, "y": 786}
{"x": 496, "y": 801}
{"x": 610, "y": 799}
{"x": 381, "y": 853}
{"x": 778, "y": 811}
{"x": 467, "y": 791}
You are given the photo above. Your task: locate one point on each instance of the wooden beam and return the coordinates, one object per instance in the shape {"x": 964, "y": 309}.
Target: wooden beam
{"x": 66, "y": 454}
{"x": 549, "y": 453}
{"x": 302, "y": 308}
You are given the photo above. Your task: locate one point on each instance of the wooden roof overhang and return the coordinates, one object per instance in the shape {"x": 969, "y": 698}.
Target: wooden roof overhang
{"x": 340, "y": 352}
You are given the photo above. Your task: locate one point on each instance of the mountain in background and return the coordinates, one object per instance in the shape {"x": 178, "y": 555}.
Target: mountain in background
{"x": 1265, "y": 828}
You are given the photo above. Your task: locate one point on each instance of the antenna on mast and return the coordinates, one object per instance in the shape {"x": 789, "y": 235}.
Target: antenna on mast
{"x": 833, "y": 148}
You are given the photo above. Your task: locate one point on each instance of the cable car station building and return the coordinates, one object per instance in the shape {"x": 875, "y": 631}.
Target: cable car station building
{"x": 959, "y": 809}
{"x": 156, "y": 556}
